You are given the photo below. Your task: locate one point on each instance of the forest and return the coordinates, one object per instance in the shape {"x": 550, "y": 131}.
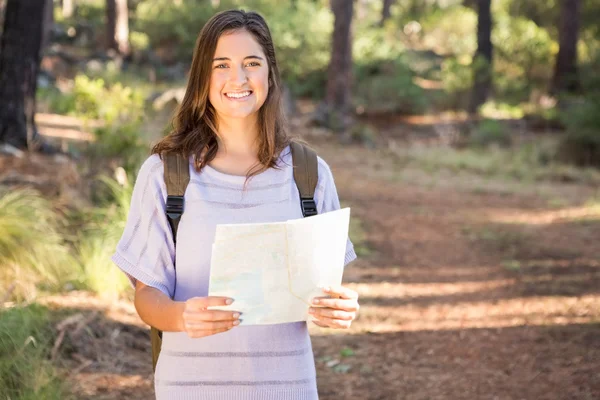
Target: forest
{"x": 463, "y": 134}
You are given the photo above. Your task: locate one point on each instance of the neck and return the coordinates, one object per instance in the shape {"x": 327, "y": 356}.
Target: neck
{"x": 238, "y": 136}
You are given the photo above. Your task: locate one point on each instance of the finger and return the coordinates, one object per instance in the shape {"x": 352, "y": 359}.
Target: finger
{"x": 322, "y": 325}
{"x": 340, "y": 304}
{"x": 333, "y": 323}
{"x": 210, "y": 326}
{"x": 211, "y": 315}
{"x": 333, "y": 313}
{"x": 202, "y": 303}
{"x": 340, "y": 291}
{"x": 199, "y": 334}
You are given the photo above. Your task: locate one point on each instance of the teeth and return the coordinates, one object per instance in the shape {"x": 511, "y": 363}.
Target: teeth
{"x": 238, "y": 95}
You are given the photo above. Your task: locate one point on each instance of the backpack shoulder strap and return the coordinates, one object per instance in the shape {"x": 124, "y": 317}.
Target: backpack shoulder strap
{"x": 306, "y": 175}
{"x": 177, "y": 177}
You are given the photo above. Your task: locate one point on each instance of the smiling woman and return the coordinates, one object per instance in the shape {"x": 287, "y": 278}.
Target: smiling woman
{"x": 230, "y": 127}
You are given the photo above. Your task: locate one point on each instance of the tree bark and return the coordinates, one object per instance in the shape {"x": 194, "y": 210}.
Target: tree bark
{"x": 48, "y": 25}
{"x": 339, "y": 75}
{"x": 482, "y": 62}
{"x": 117, "y": 26}
{"x": 565, "y": 70}
{"x": 385, "y": 12}
{"x": 20, "y": 56}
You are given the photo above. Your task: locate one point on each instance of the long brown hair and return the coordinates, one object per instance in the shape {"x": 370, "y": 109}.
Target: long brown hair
{"x": 194, "y": 126}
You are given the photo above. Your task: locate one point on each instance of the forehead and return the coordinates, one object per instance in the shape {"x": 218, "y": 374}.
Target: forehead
{"x": 237, "y": 44}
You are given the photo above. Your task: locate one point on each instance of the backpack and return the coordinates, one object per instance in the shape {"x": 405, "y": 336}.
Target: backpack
{"x": 177, "y": 177}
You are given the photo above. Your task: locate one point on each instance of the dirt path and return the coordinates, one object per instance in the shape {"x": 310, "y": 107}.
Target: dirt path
{"x": 465, "y": 295}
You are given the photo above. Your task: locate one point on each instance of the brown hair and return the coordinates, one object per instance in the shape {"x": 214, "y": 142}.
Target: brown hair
{"x": 194, "y": 126}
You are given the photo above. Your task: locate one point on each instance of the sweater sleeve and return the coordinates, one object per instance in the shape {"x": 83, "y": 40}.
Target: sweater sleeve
{"x": 145, "y": 251}
{"x": 326, "y": 197}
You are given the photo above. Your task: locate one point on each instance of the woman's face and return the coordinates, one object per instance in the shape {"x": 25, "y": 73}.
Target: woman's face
{"x": 239, "y": 81}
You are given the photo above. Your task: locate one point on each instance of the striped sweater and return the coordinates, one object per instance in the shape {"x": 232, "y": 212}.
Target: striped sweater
{"x": 263, "y": 362}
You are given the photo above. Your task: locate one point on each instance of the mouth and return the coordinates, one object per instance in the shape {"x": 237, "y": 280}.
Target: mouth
{"x": 238, "y": 95}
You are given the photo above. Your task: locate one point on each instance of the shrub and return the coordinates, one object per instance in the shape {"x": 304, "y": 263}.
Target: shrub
{"x": 488, "y": 132}
{"x": 32, "y": 249}
{"x": 387, "y": 86}
{"x": 100, "y": 237}
{"x": 581, "y": 144}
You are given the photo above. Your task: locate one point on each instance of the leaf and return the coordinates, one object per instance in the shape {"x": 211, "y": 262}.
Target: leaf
{"x": 342, "y": 368}
{"x": 347, "y": 352}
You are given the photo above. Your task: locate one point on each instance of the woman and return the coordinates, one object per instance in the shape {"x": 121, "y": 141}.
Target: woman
{"x": 230, "y": 126}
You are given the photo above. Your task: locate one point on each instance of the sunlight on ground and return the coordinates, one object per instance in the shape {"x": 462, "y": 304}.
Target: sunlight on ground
{"x": 544, "y": 217}
{"x": 95, "y": 383}
{"x": 530, "y": 311}
{"x": 120, "y": 310}
{"x": 401, "y": 290}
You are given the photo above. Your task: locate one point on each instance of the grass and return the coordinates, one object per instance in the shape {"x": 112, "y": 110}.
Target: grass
{"x": 357, "y": 234}
{"x": 99, "y": 240}
{"x": 26, "y": 339}
{"x": 526, "y": 163}
{"x": 32, "y": 249}
{"x": 37, "y": 252}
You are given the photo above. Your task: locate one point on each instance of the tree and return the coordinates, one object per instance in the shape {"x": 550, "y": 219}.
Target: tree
{"x": 385, "y": 12}
{"x": 339, "y": 74}
{"x": 20, "y": 57}
{"x": 482, "y": 62}
{"x": 565, "y": 70}
{"x": 117, "y": 26}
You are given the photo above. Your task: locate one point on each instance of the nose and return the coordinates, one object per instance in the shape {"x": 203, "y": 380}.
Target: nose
{"x": 238, "y": 76}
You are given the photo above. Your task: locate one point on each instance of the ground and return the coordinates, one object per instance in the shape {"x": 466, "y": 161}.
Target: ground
{"x": 465, "y": 292}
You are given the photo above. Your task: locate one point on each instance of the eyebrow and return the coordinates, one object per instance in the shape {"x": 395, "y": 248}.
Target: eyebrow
{"x": 228, "y": 59}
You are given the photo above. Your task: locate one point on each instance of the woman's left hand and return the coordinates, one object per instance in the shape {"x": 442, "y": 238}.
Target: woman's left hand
{"x": 337, "y": 310}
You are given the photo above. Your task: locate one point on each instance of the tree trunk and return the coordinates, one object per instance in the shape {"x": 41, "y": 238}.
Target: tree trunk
{"x": 339, "y": 75}
{"x": 565, "y": 70}
{"x": 482, "y": 62}
{"x": 385, "y": 12}
{"x": 48, "y": 24}
{"x": 117, "y": 26}
{"x": 20, "y": 56}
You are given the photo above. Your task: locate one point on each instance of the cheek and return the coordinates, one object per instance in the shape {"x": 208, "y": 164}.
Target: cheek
{"x": 216, "y": 85}
{"x": 261, "y": 80}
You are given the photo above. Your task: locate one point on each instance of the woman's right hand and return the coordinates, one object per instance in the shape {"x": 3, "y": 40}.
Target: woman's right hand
{"x": 198, "y": 321}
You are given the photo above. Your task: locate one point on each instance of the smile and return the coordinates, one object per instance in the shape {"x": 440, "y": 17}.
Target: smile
{"x": 239, "y": 95}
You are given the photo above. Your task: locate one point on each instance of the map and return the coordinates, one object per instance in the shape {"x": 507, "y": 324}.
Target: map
{"x": 273, "y": 270}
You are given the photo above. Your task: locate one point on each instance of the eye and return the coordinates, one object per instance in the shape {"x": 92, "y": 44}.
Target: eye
{"x": 221, "y": 66}
{"x": 253, "y": 64}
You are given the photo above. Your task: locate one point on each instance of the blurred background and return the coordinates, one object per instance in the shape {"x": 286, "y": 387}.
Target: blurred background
{"x": 464, "y": 135}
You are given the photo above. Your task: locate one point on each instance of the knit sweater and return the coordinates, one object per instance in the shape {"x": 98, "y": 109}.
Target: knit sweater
{"x": 259, "y": 362}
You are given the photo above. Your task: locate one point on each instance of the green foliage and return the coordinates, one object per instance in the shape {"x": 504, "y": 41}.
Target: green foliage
{"x": 387, "y": 86}
{"x": 581, "y": 145}
{"x": 119, "y": 107}
{"x": 534, "y": 161}
{"x": 488, "y": 132}
{"x": 457, "y": 79}
{"x": 25, "y": 343}
{"x": 523, "y": 53}
{"x": 99, "y": 239}
{"x": 451, "y": 31}
{"x": 172, "y": 24}
{"x": 32, "y": 249}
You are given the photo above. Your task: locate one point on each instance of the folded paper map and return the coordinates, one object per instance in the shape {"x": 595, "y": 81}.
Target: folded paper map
{"x": 273, "y": 270}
